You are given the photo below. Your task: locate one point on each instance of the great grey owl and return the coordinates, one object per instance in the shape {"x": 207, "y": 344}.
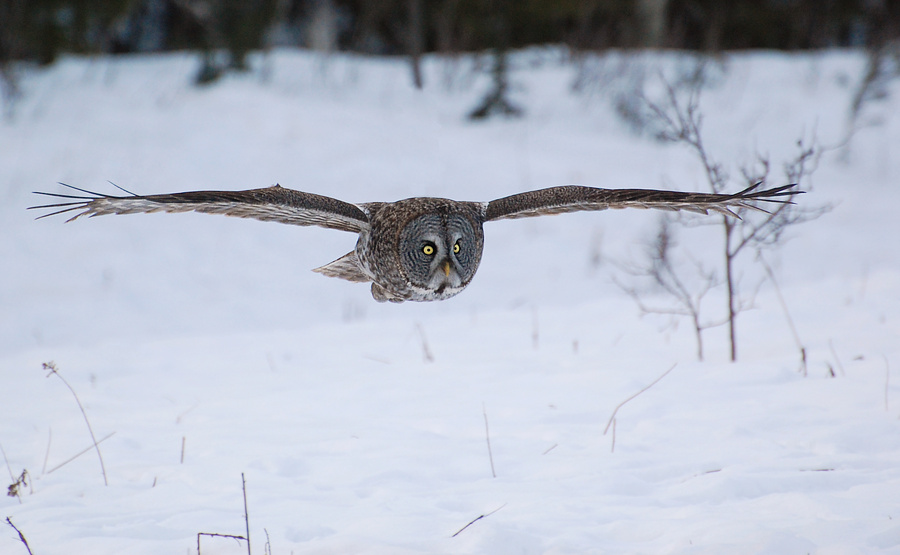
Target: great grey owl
{"x": 418, "y": 249}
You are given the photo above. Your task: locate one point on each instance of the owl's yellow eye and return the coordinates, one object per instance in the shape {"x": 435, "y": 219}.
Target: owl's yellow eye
{"x": 428, "y": 249}
{"x": 456, "y": 248}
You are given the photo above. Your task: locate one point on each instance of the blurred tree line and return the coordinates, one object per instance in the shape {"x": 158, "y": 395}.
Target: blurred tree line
{"x": 40, "y": 30}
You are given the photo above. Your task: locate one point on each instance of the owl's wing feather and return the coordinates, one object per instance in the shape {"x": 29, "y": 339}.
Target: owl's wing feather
{"x": 574, "y": 198}
{"x": 275, "y": 203}
{"x": 346, "y": 267}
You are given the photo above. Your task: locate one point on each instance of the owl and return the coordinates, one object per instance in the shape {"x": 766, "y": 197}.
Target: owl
{"x": 417, "y": 249}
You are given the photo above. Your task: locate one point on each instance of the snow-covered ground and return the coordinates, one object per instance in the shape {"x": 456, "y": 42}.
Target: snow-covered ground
{"x": 208, "y": 348}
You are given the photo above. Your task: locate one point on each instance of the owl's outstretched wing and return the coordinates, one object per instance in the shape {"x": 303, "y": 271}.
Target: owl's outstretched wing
{"x": 574, "y": 198}
{"x": 276, "y": 204}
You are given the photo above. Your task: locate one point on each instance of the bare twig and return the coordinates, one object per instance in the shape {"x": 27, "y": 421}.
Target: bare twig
{"x": 51, "y": 366}
{"x": 183, "y": 440}
{"x": 82, "y": 452}
{"x": 487, "y": 436}
{"x": 21, "y": 535}
{"x": 612, "y": 418}
{"x": 663, "y": 273}
{"x": 476, "y": 519}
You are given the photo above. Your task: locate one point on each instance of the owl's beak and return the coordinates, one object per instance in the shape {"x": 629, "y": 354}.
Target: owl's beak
{"x": 446, "y": 267}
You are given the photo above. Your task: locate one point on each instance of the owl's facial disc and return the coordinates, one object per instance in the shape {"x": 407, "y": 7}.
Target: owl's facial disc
{"x": 438, "y": 254}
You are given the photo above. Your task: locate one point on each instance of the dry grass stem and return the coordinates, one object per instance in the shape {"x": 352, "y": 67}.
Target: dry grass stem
{"x": 426, "y": 350}
{"x": 787, "y": 313}
{"x": 51, "y": 366}
{"x": 612, "y": 418}
{"x": 47, "y": 452}
{"x": 487, "y": 436}
{"x": 21, "y": 536}
{"x": 82, "y": 452}
{"x": 476, "y": 519}
{"x": 837, "y": 360}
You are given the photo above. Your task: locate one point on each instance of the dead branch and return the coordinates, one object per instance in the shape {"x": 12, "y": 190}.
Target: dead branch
{"x": 246, "y": 512}
{"x": 246, "y": 536}
{"x": 216, "y": 535}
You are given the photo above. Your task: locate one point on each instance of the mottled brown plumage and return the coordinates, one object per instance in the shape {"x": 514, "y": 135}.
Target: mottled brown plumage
{"x": 418, "y": 249}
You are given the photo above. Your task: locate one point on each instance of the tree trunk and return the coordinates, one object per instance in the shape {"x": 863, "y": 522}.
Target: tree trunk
{"x": 415, "y": 40}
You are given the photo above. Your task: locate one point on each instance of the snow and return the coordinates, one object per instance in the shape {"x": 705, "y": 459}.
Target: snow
{"x": 360, "y": 427}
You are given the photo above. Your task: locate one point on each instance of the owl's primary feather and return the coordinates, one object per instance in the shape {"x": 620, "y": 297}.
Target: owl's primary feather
{"x": 574, "y": 198}
{"x": 275, "y": 203}
{"x": 418, "y": 249}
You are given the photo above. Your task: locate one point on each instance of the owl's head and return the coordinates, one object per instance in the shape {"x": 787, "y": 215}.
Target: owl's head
{"x": 439, "y": 252}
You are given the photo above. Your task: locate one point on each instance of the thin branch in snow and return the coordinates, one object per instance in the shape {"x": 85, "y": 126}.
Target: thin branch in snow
{"x": 21, "y": 535}
{"x": 612, "y": 418}
{"x": 51, "y": 366}
{"x": 183, "y": 440}
{"x": 487, "y": 435}
{"x": 476, "y": 519}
